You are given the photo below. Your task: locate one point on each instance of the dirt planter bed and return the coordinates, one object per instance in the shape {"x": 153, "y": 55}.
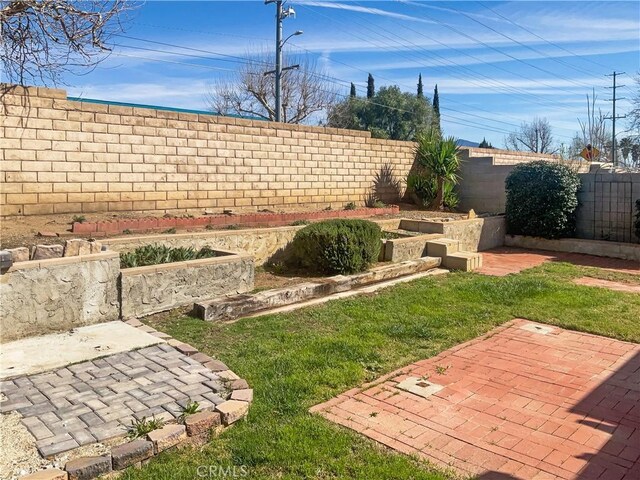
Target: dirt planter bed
{"x": 156, "y": 288}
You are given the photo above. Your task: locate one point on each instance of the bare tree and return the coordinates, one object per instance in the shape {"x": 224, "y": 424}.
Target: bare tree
{"x": 594, "y": 131}
{"x": 41, "y": 39}
{"x": 532, "y": 137}
{"x": 249, "y": 91}
{"x": 634, "y": 114}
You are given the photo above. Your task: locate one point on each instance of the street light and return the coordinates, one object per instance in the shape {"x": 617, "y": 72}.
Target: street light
{"x": 280, "y": 14}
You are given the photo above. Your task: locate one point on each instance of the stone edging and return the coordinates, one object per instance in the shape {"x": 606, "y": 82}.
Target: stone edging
{"x": 248, "y": 219}
{"x": 196, "y": 428}
{"x": 228, "y": 308}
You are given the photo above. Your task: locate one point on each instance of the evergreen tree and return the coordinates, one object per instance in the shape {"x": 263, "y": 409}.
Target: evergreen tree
{"x": 371, "y": 89}
{"x": 352, "y": 93}
{"x": 436, "y": 110}
{"x": 420, "y": 91}
{"x": 483, "y": 143}
{"x": 436, "y": 101}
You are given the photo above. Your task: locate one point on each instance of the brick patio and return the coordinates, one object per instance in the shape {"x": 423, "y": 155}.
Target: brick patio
{"x": 506, "y": 260}
{"x": 519, "y": 402}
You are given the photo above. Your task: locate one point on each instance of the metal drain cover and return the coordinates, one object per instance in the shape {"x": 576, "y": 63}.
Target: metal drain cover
{"x": 535, "y": 328}
{"x": 419, "y": 386}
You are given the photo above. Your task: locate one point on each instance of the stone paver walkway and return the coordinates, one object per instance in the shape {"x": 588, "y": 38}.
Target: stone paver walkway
{"x": 617, "y": 286}
{"x": 97, "y": 400}
{"x": 505, "y": 260}
{"x": 526, "y": 401}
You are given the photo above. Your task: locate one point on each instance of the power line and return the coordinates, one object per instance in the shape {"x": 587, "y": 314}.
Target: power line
{"x": 528, "y": 47}
{"x": 582, "y": 57}
{"x": 244, "y": 60}
{"x": 508, "y": 55}
{"x": 377, "y": 29}
{"x": 613, "y": 117}
{"x": 346, "y": 83}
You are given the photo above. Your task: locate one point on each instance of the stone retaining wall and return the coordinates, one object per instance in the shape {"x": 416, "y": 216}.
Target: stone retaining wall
{"x": 44, "y": 296}
{"x": 474, "y": 235}
{"x": 262, "y": 243}
{"x": 156, "y": 288}
{"x": 600, "y": 248}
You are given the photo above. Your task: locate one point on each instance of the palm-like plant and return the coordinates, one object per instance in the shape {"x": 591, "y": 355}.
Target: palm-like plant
{"x": 441, "y": 157}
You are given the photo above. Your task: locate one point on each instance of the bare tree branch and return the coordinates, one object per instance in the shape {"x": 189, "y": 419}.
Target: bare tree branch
{"x": 41, "y": 39}
{"x": 249, "y": 91}
{"x": 533, "y": 137}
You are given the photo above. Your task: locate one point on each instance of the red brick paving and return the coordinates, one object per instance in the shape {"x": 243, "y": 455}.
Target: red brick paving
{"x": 505, "y": 260}
{"x": 515, "y": 404}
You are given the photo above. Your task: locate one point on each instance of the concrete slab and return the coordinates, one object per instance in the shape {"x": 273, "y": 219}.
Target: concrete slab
{"x": 39, "y": 354}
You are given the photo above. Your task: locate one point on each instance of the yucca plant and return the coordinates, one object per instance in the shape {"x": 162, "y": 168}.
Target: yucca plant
{"x": 441, "y": 157}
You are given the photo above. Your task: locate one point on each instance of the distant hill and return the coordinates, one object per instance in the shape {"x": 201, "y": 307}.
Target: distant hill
{"x": 467, "y": 143}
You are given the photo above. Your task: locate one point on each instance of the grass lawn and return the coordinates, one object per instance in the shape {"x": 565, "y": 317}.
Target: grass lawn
{"x": 299, "y": 359}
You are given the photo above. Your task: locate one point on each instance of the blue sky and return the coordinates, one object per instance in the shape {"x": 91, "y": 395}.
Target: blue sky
{"x": 496, "y": 63}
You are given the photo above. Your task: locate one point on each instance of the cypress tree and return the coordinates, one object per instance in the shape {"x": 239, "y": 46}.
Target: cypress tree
{"x": 420, "y": 91}
{"x": 371, "y": 89}
{"x": 352, "y": 93}
{"x": 436, "y": 101}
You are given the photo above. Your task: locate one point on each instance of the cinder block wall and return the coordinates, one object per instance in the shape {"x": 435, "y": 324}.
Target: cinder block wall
{"x": 482, "y": 175}
{"x": 62, "y": 156}
{"x": 607, "y": 204}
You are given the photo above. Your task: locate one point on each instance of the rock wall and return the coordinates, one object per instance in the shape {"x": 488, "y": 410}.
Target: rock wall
{"x": 600, "y": 248}
{"x": 45, "y": 296}
{"x": 147, "y": 290}
{"x": 263, "y": 243}
{"x": 474, "y": 235}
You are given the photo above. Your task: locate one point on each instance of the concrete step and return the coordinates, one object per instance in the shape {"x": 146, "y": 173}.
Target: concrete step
{"x": 442, "y": 247}
{"x": 464, "y": 261}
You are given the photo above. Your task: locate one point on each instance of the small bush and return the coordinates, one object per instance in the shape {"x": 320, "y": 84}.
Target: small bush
{"x": 338, "y": 246}
{"x": 158, "y": 254}
{"x": 350, "y": 206}
{"x": 370, "y": 200}
{"x": 542, "y": 200}
{"x": 637, "y": 222}
{"x": 79, "y": 219}
{"x": 425, "y": 188}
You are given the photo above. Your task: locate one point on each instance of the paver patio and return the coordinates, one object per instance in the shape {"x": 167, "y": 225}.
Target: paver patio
{"x": 96, "y": 400}
{"x": 506, "y": 260}
{"x": 526, "y": 401}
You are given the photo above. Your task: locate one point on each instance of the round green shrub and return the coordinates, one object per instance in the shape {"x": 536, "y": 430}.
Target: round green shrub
{"x": 542, "y": 198}
{"x": 337, "y": 246}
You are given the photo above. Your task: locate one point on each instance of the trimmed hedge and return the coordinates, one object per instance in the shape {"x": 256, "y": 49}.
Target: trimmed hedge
{"x": 337, "y": 246}
{"x": 542, "y": 198}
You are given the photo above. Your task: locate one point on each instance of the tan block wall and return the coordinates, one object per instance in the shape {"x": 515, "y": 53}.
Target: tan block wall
{"x": 60, "y": 156}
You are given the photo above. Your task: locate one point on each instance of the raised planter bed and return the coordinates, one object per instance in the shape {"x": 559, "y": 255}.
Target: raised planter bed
{"x": 229, "y": 308}
{"x": 248, "y": 220}
{"x": 600, "y": 248}
{"x": 156, "y": 288}
{"x": 474, "y": 234}
{"x": 50, "y": 295}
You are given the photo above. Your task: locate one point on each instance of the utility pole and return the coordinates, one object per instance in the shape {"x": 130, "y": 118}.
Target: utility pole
{"x": 280, "y": 15}
{"x": 614, "y": 117}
